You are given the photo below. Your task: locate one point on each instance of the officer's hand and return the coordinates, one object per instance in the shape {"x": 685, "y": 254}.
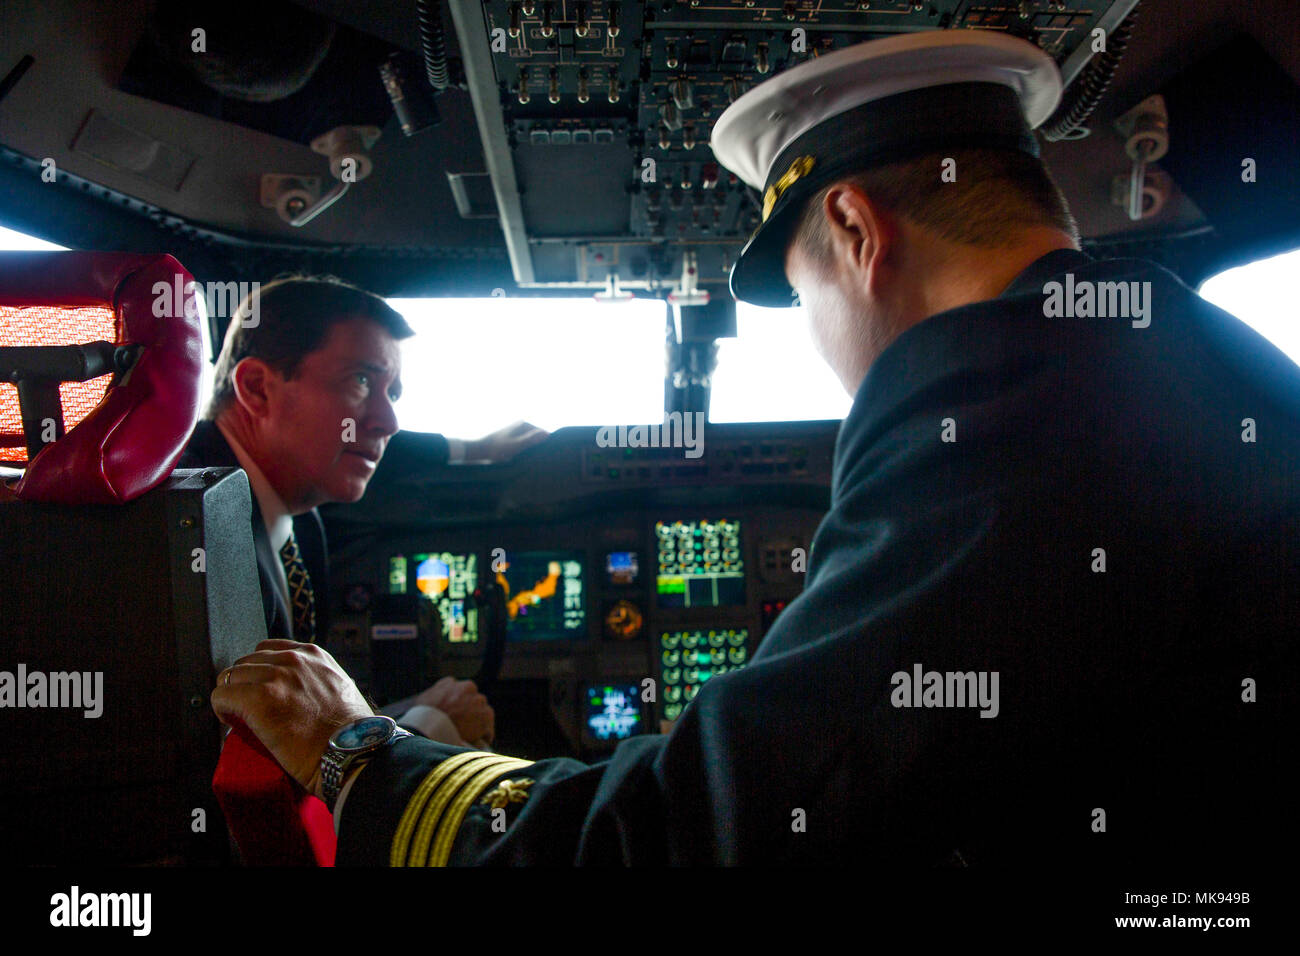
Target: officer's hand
{"x": 468, "y": 709}
{"x": 504, "y": 444}
{"x": 293, "y": 697}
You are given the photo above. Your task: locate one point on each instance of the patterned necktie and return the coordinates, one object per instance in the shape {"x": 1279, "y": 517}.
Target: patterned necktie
{"x": 301, "y": 598}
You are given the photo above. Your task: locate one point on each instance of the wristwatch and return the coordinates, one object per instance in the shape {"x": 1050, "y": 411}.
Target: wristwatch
{"x": 350, "y": 747}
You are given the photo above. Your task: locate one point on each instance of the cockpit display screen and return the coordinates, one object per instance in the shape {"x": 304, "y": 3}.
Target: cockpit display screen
{"x": 621, "y": 567}
{"x": 688, "y": 659}
{"x": 700, "y": 564}
{"x": 545, "y": 595}
{"x": 613, "y": 711}
{"x": 449, "y": 581}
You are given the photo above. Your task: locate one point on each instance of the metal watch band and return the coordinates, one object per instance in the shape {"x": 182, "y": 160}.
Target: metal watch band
{"x": 334, "y": 766}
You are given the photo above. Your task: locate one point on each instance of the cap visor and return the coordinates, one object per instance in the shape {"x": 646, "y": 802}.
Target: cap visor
{"x": 758, "y": 277}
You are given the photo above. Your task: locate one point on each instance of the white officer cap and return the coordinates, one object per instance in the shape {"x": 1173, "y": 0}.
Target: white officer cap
{"x": 867, "y": 105}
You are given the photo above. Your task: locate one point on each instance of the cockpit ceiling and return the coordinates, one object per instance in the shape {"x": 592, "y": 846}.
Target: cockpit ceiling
{"x": 111, "y": 102}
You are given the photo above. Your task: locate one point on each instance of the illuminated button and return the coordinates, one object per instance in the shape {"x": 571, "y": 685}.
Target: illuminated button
{"x": 717, "y": 638}
{"x": 672, "y": 694}
{"x": 672, "y": 711}
{"x": 735, "y": 638}
{"x": 718, "y": 656}
{"x": 671, "y": 658}
{"x": 737, "y": 655}
{"x": 689, "y": 692}
{"x": 691, "y": 639}
{"x": 672, "y": 675}
{"x": 670, "y": 641}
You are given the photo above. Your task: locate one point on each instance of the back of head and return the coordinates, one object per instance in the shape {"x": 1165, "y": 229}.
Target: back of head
{"x": 289, "y": 318}
{"x": 979, "y": 197}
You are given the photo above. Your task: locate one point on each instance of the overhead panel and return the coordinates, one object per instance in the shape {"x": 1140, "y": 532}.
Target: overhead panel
{"x": 608, "y": 107}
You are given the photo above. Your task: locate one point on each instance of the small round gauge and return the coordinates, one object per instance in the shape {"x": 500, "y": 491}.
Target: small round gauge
{"x": 623, "y": 621}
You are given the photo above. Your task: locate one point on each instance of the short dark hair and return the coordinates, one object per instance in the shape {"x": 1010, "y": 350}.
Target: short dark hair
{"x": 294, "y": 315}
{"x": 996, "y": 193}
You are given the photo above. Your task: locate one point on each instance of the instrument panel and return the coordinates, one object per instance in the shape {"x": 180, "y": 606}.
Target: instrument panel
{"x": 627, "y": 599}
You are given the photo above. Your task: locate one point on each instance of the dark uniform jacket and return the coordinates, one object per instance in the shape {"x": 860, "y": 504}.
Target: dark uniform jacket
{"x": 208, "y": 448}
{"x": 1100, "y": 510}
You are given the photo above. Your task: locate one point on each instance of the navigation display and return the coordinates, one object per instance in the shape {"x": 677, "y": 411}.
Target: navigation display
{"x": 613, "y": 711}
{"x": 699, "y": 564}
{"x": 545, "y": 595}
{"x": 448, "y": 580}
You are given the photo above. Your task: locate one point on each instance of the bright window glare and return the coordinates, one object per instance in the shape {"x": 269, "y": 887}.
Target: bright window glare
{"x": 476, "y": 365}
{"x": 1262, "y": 294}
{"x": 772, "y": 372}
{"x": 13, "y": 241}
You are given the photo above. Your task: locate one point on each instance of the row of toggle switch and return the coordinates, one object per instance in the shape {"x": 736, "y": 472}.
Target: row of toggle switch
{"x": 581, "y": 24}
{"x": 613, "y": 91}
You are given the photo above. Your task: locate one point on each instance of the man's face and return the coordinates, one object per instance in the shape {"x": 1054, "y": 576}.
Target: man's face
{"x": 835, "y": 317}
{"x": 327, "y": 427}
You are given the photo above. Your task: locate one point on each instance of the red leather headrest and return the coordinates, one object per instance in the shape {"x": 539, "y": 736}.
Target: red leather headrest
{"x": 133, "y": 437}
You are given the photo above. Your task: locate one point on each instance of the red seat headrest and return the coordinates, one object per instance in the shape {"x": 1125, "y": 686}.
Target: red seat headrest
{"x": 134, "y": 431}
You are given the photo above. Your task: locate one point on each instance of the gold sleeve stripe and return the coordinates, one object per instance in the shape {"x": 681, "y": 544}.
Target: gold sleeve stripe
{"x": 449, "y": 786}
{"x": 411, "y": 816}
{"x": 481, "y": 783}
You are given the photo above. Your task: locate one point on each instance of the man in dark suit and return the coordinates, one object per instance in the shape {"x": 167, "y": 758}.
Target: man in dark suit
{"x": 303, "y": 402}
{"x": 1061, "y": 565}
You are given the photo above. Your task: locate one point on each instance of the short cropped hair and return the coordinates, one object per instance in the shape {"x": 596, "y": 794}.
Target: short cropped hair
{"x": 294, "y": 315}
{"x": 996, "y": 193}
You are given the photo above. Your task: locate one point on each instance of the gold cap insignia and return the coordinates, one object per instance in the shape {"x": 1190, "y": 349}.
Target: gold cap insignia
{"x": 798, "y": 169}
{"x": 507, "y": 792}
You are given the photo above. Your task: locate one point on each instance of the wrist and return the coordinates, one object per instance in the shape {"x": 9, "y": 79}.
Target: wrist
{"x": 349, "y": 749}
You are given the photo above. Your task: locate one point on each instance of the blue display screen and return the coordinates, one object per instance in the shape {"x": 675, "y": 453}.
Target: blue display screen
{"x": 613, "y": 711}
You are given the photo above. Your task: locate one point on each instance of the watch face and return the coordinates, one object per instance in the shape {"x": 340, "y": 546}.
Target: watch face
{"x": 364, "y": 733}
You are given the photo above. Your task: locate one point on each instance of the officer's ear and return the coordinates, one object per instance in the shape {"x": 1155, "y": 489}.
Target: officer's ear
{"x": 861, "y": 232}
{"x": 254, "y": 382}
